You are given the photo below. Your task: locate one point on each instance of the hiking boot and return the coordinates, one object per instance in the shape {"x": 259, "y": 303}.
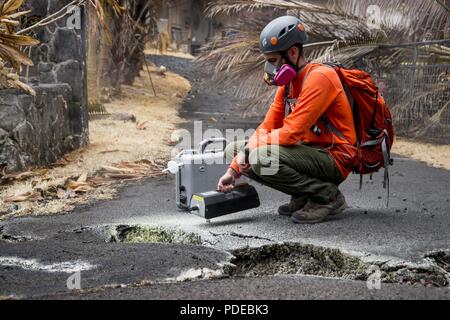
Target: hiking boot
{"x": 315, "y": 213}
{"x": 296, "y": 204}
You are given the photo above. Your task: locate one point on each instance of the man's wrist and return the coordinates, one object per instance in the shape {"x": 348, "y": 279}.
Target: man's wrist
{"x": 234, "y": 173}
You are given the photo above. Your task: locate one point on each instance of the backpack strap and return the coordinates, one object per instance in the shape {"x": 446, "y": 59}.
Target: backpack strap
{"x": 386, "y": 160}
{"x": 288, "y": 101}
{"x": 287, "y": 93}
{"x": 374, "y": 115}
{"x": 292, "y": 101}
{"x": 351, "y": 100}
{"x": 333, "y": 129}
{"x": 386, "y": 170}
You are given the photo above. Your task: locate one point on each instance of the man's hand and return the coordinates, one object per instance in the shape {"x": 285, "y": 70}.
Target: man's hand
{"x": 226, "y": 183}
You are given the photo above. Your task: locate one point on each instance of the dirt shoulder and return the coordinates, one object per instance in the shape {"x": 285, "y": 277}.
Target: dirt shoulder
{"x": 437, "y": 156}
{"x": 128, "y": 149}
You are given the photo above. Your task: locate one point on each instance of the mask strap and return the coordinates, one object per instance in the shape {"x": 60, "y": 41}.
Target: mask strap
{"x": 285, "y": 57}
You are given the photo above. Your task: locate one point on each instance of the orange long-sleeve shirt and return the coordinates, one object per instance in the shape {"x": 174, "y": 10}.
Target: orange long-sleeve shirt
{"x": 322, "y": 96}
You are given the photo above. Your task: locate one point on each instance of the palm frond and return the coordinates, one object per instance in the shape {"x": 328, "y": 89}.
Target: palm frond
{"x": 10, "y": 44}
{"x": 10, "y": 5}
{"x": 404, "y": 17}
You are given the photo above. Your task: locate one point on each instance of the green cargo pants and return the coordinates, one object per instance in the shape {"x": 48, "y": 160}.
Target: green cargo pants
{"x": 298, "y": 170}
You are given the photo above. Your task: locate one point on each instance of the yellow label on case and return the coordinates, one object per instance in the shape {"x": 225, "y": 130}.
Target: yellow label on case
{"x": 197, "y": 198}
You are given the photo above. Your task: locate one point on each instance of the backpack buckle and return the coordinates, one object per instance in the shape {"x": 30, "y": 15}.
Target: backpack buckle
{"x": 374, "y": 133}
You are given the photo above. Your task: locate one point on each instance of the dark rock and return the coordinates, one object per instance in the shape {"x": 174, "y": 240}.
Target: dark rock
{"x": 26, "y": 103}
{"x": 55, "y": 5}
{"x": 43, "y": 52}
{"x": 45, "y": 67}
{"x": 46, "y": 73}
{"x": 10, "y": 116}
{"x": 70, "y": 72}
{"x": 3, "y": 136}
{"x": 82, "y": 140}
{"x": 53, "y": 89}
{"x": 24, "y": 135}
{"x": 11, "y": 156}
{"x": 69, "y": 143}
{"x": 9, "y": 96}
{"x": 37, "y": 7}
{"x": 42, "y": 134}
{"x": 79, "y": 118}
{"x": 64, "y": 45}
{"x": 43, "y": 34}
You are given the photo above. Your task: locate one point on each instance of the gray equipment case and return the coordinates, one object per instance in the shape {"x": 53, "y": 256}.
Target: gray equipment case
{"x": 197, "y": 171}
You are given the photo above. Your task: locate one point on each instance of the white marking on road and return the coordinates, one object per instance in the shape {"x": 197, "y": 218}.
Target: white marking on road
{"x": 35, "y": 265}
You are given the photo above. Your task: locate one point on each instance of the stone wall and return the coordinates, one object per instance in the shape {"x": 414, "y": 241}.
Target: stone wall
{"x": 38, "y": 130}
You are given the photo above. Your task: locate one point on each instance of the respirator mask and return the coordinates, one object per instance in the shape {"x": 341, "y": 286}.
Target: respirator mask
{"x": 280, "y": 75}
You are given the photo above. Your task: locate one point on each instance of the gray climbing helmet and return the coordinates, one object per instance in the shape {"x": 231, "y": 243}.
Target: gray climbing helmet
{"x": 281, "y": 34}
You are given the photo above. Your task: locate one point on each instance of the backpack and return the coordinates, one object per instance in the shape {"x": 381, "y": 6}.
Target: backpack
{"x": 373, "y": 123}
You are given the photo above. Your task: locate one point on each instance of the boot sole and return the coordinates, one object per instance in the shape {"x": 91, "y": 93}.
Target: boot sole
{"x": 285, "y": 214}
{"x": 296, "y": 221}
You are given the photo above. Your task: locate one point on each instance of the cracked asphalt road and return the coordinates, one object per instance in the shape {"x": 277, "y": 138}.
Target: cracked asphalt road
{"x": 417, "y": 223}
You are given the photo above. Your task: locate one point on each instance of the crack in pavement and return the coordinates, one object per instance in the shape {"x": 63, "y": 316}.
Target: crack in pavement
{"x": 241, "y": 236}
{"x": 13, "y": 239}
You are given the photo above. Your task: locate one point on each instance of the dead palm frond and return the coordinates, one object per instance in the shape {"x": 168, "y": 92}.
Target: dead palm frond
{"x": 102, "y": 5}
{"x": 396, "y": 18}
{"x": 131, "y": 31}
{"x": 11, "y": 58}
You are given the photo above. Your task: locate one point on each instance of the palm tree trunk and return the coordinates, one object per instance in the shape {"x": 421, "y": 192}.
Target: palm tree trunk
{"x": 99, "y": 54}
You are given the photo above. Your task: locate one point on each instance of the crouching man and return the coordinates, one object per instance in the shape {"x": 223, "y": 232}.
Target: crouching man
{"x": 305, "y": 147}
